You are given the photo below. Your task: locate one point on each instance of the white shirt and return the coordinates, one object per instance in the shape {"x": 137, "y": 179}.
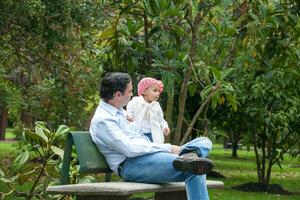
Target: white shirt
{"x": 118, "y": 139}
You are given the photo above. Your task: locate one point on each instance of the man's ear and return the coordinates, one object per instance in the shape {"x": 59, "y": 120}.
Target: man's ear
{"x": 118, "y": 94}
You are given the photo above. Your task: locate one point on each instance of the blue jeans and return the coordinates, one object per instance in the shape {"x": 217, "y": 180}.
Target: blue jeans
{"x": 158, "y": 168}
{"x": 149, "y": 136}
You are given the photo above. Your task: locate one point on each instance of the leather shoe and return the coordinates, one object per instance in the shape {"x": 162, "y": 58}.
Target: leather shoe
{"x": 193, "y": 163}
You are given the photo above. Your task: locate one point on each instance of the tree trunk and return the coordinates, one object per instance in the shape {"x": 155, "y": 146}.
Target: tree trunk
{"x": 182, "y": 98}
{"x": 199, "y": 111}
{"x": 269, "y": 170}
{"x": 169, "y": 111}
{"x": 257, "y": 158}
{"x": 3, "y": 122}
{"x": 235, "y": 142}
{"x": 234, "y": 149}
{"x": 90, "y": 117}
{"x": 146, "y": 40}
{"x": 186, "y": 79}
{"x": 27, "y": 119}
{"x": 263, "y": 157}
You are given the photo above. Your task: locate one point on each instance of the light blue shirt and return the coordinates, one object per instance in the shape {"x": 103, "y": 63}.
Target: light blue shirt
{"x": 117, "y": 139}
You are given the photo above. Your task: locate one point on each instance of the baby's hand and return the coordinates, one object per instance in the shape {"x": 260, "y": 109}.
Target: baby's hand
{"x": 166, "y": 131}
{"x": 129, "y": 117}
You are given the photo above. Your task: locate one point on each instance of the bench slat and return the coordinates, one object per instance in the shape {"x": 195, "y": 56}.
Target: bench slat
{"x": 123, "y": 188}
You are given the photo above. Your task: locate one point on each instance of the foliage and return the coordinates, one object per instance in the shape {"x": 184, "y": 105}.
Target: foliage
{"x": 266, "y": 80}
{"x": 47, "y": 60}
{"x": 161, "y": 39}
{"x": 44, "y": 145}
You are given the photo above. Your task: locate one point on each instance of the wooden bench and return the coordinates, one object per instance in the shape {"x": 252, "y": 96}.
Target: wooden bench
{"x": 92, "y": 161}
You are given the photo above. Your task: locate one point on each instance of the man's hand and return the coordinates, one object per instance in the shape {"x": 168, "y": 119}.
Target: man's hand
{"x": 175, "y": 149}
{"x": 166, "y": 131}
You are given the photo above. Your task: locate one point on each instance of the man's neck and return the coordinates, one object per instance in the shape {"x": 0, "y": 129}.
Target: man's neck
{"x": 114, "y": 104}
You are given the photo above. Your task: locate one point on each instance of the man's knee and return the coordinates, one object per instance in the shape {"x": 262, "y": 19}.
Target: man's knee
{"x": 205, "y": 141}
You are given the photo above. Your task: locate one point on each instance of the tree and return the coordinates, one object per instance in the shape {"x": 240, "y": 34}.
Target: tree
{"x": 267, "y": 82}
{"x": 166, "y": 34}
{"x": 47, "y": 55}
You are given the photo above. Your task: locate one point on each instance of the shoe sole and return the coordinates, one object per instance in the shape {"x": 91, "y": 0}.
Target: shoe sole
{"x": 198, "y": 167}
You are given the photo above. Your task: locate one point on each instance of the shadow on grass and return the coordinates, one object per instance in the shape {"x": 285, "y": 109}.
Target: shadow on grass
{"x": 258, "y": 187}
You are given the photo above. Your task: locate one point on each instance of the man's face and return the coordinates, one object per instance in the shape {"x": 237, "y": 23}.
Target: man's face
{"x": 125, "y": 98}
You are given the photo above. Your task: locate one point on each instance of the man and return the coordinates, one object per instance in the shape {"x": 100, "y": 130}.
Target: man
{"x": 132, "y": 156}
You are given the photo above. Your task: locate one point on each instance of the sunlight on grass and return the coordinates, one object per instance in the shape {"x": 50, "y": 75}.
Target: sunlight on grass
{"x": 9, "y": 133}
{"x": 7, "y": 148}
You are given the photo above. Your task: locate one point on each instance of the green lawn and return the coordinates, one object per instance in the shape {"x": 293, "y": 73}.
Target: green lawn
{"x": 7, "y": 149}
{"x": 243, "y": 170}
{"x": 9, "y": 133}
{"x": 236, "y": 171}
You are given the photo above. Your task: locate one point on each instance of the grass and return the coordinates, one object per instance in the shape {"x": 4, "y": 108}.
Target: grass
{"x": 9, "y": 133}
{"x": 237, "y": 171}
{"x": 7, "y": 149}
{"x": 243, "y": 170}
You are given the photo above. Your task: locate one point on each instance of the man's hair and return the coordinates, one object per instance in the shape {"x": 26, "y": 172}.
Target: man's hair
{"x": 113, "y": 82}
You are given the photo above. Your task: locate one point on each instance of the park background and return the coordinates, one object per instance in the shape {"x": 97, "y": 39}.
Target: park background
{"x": 230, "y": 70}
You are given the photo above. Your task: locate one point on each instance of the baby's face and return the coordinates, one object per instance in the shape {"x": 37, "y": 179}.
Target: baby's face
{"x": 151, "y": 93}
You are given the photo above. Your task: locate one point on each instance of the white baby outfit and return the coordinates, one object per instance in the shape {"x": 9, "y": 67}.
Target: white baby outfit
{"x": 148, "y": 116}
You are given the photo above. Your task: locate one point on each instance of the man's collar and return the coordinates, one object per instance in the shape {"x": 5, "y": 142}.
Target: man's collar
{"x": 111, "y": 109}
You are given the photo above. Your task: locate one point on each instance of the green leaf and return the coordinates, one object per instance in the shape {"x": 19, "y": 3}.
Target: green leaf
{"x": 216, "y": 73}
{"x": 192, "y": 88}
{"x": 62, "y": 130}
{"x": 42, "y": 125}
{"x": 107, "y": 33}
{"x": 154, "y": 31}
{"x": 147, "y": 8}
{"x": 39, "y": 130}
{"x": 2, "y": 174}
{"x": 87, "y": 179}
{"x": 32, "y": 136}
{"x": 179, "y": 30}
{"x": 227, "y": 86}
{"x": 8, "y": 180}
{"x": 206, "y": 91}
{"x": 19, "y": 161}
{"x": 232, "y": 101}
{"x": 22, "y": 178}
{"x": 127, "y": 8}
{"x": 253, "y": 16}
{"x": 214, "y": 102}
{"x": 168, "y": 79}
{"x": 53, "y": 162}
{"x": 58, "y": 151}
{"x": 227, "y": 72}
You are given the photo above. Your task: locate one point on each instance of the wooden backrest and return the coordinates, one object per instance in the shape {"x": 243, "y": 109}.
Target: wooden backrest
{"x": 89, "y": 158}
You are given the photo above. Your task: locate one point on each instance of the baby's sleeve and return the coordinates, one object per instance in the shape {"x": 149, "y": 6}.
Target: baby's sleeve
{"x": 163, "y": 123}
{"x": 130, "y": 108}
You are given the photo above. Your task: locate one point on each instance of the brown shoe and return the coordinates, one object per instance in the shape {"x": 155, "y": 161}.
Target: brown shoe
{"x": 193, "y": 163}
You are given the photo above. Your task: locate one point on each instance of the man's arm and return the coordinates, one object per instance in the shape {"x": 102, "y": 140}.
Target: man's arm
{"x": 109, "y": 133}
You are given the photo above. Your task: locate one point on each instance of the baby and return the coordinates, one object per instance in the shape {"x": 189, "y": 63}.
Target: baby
{"x": 146, "y": 112}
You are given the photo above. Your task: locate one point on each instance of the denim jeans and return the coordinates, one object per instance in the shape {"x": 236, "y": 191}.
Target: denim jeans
{"x": 149, "y": 136}
{"x": 158, "y": 168}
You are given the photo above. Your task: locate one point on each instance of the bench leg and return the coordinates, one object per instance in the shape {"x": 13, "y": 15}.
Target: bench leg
{"x": 179, "y": 195}
{"x": 100, "y": 197}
